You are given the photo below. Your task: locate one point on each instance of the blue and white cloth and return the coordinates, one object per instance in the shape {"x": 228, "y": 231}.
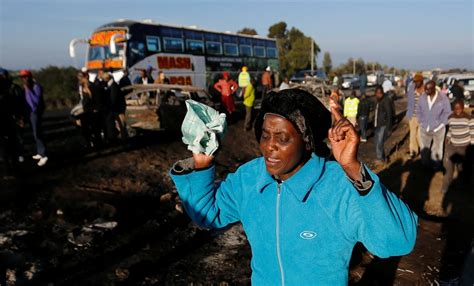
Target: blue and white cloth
{"x": 202, "y": 128}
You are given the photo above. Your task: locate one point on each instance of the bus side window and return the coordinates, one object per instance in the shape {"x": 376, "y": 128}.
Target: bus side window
{"x": 136, "y": 52}
{"x": 214, "y": 48}
{"x": 272, "y": 53}
{"x": 173, "y": 44}
{"x": 153, "y": 44}
{"x": 246, "y": 50}
{"x": 259, "y": 51}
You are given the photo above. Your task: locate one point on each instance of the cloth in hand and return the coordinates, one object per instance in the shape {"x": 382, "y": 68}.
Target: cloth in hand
{"x": 202, "y": 128}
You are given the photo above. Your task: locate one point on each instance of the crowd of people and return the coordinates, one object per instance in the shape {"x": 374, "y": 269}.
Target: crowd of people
{"x": 102, "y": 118}
{"x": 440, "y": 131}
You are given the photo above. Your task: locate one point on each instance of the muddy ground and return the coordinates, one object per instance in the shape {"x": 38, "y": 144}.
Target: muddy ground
{"x": 113, "y": 218}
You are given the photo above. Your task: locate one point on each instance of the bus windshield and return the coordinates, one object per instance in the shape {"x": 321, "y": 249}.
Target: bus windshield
{"x": 99, "y": 55}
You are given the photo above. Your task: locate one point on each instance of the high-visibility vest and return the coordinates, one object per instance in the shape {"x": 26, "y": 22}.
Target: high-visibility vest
{"x": 244, "y": 79}
{"x": 350, "y": 107}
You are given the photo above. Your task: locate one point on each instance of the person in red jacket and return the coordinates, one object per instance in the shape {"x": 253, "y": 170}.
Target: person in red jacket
{"x": 227, "y": 87}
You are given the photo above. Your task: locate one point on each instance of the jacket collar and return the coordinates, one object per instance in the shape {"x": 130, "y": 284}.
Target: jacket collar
{"x": 299, "y": 184}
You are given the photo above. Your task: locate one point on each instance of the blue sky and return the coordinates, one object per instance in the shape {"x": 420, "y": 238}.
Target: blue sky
{"x": 418, "y": 34}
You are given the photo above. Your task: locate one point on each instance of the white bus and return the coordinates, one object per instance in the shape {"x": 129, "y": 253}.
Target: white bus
{"x": 187, "y": 55}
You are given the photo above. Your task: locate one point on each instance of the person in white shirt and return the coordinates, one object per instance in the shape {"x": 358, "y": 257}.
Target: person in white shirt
{"x": 285, "y": 84}
{"x": 387, "y": 86}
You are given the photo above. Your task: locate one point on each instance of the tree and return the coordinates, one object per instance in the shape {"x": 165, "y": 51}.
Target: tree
{"x": 248, "y": 31}
{"x": 278, "y": 30}
{"x": 294, "y": 48}
{"x": 327, "y": 62}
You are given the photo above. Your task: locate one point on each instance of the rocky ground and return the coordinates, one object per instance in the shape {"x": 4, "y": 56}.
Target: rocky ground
{"x": 113, "y": 218}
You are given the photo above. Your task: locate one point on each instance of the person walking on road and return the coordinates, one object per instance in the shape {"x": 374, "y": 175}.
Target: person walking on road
{"x": 458, "y": 139}
{"x": 34, "y": 98}
{"x": 382, "y": 123}
{"x": 432, "y": 111}
{"x": 302, "y": 213}
{"x": 414, "y": 90}
{"x": 363, "y": 112}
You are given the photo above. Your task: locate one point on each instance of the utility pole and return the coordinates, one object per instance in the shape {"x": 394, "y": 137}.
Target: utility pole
{"x": 312, "y": 56}
{"x": 353, "y": 66}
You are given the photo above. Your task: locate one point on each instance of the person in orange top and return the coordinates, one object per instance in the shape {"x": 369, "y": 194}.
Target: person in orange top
{"x": 226, "y": 88}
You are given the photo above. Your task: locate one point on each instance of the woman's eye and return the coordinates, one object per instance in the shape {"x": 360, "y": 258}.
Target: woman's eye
{"x": 283, "y": 140}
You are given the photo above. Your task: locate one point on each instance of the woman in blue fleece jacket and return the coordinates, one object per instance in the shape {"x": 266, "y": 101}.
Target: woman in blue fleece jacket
{"x": 301, "y": 212}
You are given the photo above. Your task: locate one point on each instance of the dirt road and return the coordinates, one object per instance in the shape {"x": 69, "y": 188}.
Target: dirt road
{"x": 113, "y": 218}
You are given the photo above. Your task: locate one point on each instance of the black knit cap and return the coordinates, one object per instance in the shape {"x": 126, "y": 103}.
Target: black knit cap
{"x": 307, "y": 114}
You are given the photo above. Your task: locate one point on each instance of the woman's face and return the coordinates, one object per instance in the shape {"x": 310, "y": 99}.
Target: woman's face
{"x": 282, "y": 147}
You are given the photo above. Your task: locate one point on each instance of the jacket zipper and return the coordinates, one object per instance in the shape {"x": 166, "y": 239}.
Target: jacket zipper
{"x": 278, "y": 235}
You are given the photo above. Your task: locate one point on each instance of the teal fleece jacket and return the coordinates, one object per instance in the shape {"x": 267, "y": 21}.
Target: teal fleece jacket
{"x": 301, "y": 231}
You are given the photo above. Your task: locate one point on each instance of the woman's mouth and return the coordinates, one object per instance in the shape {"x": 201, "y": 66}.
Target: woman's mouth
{"x": 272, "y": 161}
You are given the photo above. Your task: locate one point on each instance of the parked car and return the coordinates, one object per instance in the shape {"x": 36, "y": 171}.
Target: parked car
{"x": 350, "y": 81}
{"x": 300, "y": 76}
{"x": 375, "y": 78}
{"x": 467, "y": 80}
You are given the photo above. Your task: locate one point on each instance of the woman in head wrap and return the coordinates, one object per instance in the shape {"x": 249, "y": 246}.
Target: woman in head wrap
{"x": 301, "y": 212}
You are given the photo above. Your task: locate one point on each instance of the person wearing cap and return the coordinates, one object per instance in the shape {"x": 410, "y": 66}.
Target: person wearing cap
{"x": 34, "y": 98}
{"x": 226, "y": 88}
{"x": 302, "y": 212}
{"x": 414, "y": 90}
{"x": 266, "y": 81}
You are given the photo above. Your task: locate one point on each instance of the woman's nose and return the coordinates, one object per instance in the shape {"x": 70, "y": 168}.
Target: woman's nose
{"x": 271, "y": 146}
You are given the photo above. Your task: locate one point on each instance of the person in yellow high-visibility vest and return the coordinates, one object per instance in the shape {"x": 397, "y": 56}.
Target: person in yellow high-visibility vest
{"x": 244, "y": 79}
{"x": 350, "y": 108}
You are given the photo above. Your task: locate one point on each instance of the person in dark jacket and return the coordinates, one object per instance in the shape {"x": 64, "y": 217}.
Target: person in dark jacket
{"x": 120, "y": 105}
{"x": 101, "y": 96}
{"x": 363, "y": 112}
{"x": 20, "y": 113}
{"x": 363, "y": 82}
{"x": 457, "y": 90}
{"x": 117, "y": 107}
{"x": 34, "y": 98}
{"x": 90, "y": 118}
{"x": 382, "y": 122}
{"x": 7, "y": 126}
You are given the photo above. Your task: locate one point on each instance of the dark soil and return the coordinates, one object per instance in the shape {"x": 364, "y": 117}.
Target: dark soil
{"x": 154, "y": 243}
